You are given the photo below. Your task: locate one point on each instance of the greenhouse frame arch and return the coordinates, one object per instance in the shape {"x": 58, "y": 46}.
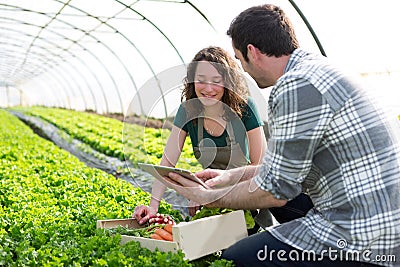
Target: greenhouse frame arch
{"x": 77, "y": 55}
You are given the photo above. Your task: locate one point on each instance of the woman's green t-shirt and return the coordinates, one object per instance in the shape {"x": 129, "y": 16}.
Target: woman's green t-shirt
{"x": 250, "y": 120}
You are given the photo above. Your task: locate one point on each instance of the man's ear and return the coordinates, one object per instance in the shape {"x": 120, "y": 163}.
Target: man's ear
{"x": 253, "y": 52}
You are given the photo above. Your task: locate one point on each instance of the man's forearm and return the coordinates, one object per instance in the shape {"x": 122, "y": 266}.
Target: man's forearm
{"x": 243, "y": 174}
{"x": 244, "y": 195}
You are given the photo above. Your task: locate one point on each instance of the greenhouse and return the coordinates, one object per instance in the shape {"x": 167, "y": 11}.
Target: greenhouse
{"x": 90, "y": 89}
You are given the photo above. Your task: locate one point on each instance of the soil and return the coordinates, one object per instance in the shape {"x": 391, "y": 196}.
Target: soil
{"x": 147, "y": 122}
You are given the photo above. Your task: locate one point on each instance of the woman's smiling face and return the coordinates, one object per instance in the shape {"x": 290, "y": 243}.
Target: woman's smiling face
{"x": 209, "y": 85}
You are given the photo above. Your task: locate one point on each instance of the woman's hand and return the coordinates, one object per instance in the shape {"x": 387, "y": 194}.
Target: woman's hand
{"x": 143, "y": 213}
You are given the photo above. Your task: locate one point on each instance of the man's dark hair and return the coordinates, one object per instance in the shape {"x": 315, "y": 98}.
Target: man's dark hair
{"x": 266, "y": 27}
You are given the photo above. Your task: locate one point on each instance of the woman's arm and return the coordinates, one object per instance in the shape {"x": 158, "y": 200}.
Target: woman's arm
{"x": 257, "y": 145}
{"x": 172, "y": 151}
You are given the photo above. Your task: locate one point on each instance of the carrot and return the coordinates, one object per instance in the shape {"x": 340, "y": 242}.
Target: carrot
{"x": 168, "y": 228}
{"x": 164, "y": 234}
{"x": 156, "y": 236}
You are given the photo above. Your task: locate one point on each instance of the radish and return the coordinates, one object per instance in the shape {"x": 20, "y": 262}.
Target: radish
{"x": 161, "y": 219}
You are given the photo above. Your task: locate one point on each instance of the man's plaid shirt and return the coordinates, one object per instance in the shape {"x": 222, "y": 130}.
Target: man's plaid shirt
{"x": 331, "y": 142}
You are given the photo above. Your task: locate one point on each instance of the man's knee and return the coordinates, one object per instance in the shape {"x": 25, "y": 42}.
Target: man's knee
{"x": 244, "y": 252}
{"x": 233, "y": 253}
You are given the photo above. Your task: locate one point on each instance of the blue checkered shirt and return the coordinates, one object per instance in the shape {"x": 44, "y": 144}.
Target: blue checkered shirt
{"x": 331, "y": 142}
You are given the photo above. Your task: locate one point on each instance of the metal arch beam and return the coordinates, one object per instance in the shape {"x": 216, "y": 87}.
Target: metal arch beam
{"x": 84, "y": 49}
{"x": 8, "y": 67}
{"x": 44, "y": 64}
{"x": 135, "y": 47}
{"x": 194, "y": 7}
{"x": 76, "y": 85}
{"x": 77, "y": 57}
{"x": 52, "y": 91}
{"x": 201, "y": 13}
{"x": 71, "y": 83}
{"x": 144, "y": 58}
{"x": 309, "y": 27}
{"x": 46, "y": 85}
{"x": 37, "y": 36}
{"x": 110, "y": 50}
{"x": 40, "y": 56}
{"x": 153, "y": 26}
{"x": 117, "y": 57}
{"x": 63, "y": 82}
{"x": 99, "y": 41}
{"x": 54, "y": 76}
{"x": 167, "y": 38}
{"x": 87, "y": 85}
{"x": 138, "y": 50}
{"x": 55, "y": 45}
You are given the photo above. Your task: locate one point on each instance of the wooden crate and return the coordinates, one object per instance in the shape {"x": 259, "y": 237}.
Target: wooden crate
{"x": 196, "y": 238}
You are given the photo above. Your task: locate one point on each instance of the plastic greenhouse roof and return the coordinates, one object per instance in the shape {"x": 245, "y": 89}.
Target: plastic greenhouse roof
{"x": 104, "y": 55}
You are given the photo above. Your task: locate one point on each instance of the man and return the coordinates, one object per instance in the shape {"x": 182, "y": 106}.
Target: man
{"x": 328, "y": 140}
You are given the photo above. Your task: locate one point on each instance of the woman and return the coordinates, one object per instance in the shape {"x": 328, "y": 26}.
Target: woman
{"x": 221, "y": 120}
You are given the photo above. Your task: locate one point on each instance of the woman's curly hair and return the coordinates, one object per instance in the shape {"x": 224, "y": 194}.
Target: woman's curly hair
{"x": 236, "y": 90}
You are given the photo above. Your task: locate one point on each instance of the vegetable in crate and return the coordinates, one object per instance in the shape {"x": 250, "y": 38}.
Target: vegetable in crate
{"x": 138, "y": 232}
{"x": 161, "y": 219}
{"x": 168, "y": 228}
{"x": 156, "y": 237}
{"x": 165, "y": 235}
{"x": 156, "y": 228}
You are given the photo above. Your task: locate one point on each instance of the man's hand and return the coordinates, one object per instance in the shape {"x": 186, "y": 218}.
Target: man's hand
{"x": 242, "y": 195}
{"x": 188, "y": 188}
{"x": 224, "y": 178}
{"x": 214, "y": 178}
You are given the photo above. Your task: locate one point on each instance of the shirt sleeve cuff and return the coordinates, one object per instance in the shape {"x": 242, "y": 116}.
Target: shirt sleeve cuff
{"x": 279, "y": 188}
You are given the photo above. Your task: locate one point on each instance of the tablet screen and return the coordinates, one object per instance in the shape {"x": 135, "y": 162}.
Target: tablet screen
{"x": 158, "y": 171}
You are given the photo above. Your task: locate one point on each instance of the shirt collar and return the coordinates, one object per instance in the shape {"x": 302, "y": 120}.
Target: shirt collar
{"x": 296, "y": 55}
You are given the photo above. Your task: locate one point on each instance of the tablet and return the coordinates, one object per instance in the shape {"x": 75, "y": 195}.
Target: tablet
{"x": 158, "y": 171}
